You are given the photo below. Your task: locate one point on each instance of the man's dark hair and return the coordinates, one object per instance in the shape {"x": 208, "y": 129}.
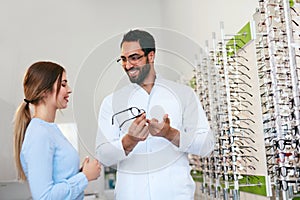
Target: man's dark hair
{"x": 145, "y": 39}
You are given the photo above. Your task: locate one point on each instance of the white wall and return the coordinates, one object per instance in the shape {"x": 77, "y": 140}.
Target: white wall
{"x": 84, "y": 36}
{"x": 62, "y": 31}
{"x": 199, "y": 18}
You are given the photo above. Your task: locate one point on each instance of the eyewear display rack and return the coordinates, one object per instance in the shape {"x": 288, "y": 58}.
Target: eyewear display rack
{"x": 248, "y": 84}
{"x": 227, "y": 86}
{"x": 277, "y": 44}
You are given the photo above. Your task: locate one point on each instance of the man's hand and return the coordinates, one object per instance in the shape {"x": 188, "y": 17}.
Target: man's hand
{"x": 138, "y": 131}
{"x": 157, "y": 128}
{"x": 163, "y": 129}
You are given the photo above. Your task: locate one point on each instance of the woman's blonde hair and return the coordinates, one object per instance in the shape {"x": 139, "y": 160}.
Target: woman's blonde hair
{"x": 39, "y": 79}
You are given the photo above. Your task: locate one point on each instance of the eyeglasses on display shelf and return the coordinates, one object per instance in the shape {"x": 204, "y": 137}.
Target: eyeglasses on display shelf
{"x": 278, "y": 29}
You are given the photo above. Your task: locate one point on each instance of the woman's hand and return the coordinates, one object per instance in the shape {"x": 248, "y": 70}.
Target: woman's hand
{"x": 91, "y": 168}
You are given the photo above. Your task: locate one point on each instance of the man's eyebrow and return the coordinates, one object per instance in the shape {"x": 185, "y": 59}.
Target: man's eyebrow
{"x": 134, "y": 54}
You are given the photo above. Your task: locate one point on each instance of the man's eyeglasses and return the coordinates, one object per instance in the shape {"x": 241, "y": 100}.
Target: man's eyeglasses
{"x": 136, "y": 112}
{"x": 132, "y": 59}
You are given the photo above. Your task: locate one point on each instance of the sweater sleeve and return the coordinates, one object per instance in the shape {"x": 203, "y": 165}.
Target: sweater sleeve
{"x": 38, "y": 158}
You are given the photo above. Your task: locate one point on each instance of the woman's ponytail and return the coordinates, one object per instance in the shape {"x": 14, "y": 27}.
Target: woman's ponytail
{"x": 21, "y": 121}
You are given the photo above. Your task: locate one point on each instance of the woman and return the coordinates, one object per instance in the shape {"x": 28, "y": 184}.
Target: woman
{"x": 43, "y": 155}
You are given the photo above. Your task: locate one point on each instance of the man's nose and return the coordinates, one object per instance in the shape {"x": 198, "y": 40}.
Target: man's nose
{"x": 128, "y": 65}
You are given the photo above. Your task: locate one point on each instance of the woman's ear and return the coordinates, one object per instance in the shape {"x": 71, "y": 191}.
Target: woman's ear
{"x": 46, "y": 94}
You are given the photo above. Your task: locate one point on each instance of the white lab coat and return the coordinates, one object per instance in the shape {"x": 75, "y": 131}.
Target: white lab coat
{"x": 155, "y": 169}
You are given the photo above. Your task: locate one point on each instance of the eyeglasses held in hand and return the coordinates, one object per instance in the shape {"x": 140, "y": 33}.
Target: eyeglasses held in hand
{"x": 136, "y": 112}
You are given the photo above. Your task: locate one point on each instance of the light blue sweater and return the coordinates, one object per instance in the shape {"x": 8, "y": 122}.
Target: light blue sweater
{"x": 50, "y": 163}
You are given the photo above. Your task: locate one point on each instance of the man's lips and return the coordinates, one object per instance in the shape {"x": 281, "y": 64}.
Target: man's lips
{"x": 132, "y": 71}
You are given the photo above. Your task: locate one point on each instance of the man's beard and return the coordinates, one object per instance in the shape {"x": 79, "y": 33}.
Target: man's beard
{"x": 143, "y": 73}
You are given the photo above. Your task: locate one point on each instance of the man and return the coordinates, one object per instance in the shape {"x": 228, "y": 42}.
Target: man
{"x": 148, "y": 128}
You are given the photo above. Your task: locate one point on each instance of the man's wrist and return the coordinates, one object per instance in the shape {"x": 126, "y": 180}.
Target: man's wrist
{"x": 173, "y": 135}
{"x": 129, "y": 142}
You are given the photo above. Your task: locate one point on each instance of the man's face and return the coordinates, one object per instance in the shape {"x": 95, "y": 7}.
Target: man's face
{"x": 134, "y": 62}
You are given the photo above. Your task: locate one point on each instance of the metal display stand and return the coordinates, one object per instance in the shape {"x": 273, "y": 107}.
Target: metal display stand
{"x": 228, "y": 100}
{"x": 278, "y": 71}
{"x": 248, "y": 83}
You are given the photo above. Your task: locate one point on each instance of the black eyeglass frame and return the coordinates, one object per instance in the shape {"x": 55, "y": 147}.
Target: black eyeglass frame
{"x": 131, "y": 59}
{"x": 140, "y": 112}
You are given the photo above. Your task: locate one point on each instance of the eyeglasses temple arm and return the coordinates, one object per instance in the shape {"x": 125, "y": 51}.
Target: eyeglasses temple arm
{"x": 130, "y": 119}
{"x": 112, "y": 118}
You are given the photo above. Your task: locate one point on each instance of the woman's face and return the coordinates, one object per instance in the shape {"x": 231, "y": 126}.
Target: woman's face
{"x": 61, "y": 100}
